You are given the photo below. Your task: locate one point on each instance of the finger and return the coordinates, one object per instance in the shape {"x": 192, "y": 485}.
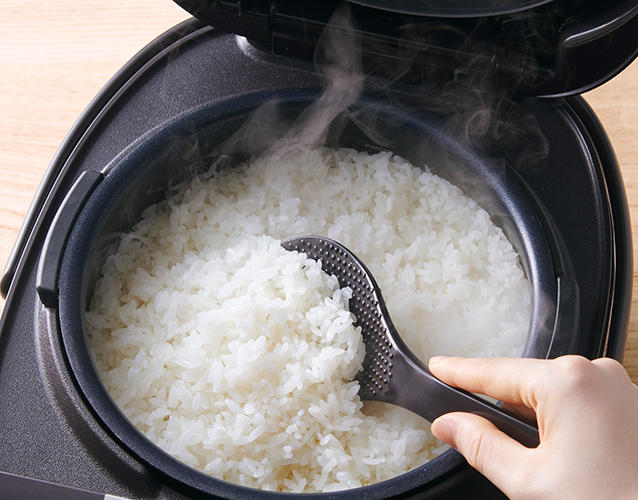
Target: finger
{"x": 512, "y": 380}
{"x": 613, "y": 367}
{"x": 487, "y": 449}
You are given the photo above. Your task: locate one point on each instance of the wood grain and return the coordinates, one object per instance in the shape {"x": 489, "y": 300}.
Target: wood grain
{"x": 56, "y": 55}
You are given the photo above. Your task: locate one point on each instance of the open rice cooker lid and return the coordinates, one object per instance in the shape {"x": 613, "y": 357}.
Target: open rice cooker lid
{"x": 532, "y": 47}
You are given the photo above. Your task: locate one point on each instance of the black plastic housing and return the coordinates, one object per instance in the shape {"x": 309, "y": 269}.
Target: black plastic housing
{"x": 566, "y": 214}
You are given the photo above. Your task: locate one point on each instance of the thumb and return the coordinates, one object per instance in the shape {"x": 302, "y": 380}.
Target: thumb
{"x": 487, "y": 449}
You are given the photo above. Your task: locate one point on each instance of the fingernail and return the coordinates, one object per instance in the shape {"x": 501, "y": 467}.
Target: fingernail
{"x": 444, "y": 429}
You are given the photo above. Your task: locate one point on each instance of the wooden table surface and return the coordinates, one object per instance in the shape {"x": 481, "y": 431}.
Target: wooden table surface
{"x": 56, "y": 55}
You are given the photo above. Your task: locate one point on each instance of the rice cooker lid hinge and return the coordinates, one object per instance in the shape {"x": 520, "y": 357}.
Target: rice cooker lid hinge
{"x": 543, "y": 48}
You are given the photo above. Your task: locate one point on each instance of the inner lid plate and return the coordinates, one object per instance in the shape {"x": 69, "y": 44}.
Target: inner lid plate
{"x": 545, "y": 49}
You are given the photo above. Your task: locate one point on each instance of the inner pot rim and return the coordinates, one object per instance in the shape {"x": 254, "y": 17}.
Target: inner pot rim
{"x": 73, "y": 284}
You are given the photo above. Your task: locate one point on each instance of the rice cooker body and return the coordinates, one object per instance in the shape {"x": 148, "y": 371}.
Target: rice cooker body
{"x": 575, "y": 244}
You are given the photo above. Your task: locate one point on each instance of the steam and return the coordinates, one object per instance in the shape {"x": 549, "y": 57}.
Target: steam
{"x": 429, "y": 68}
{"x": 339, "y": 65}
{"x": 473, "y": 85}
{"x": 338, "y": 59}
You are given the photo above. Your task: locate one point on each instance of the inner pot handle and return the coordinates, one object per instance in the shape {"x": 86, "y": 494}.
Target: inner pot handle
{"x": 49, "y": 263}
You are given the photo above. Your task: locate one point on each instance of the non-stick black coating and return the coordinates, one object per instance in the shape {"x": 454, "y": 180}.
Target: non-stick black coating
{"x": 142, "y": 176}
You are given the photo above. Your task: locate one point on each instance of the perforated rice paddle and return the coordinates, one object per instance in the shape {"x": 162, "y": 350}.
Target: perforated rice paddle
{"x": 391, "y": 372}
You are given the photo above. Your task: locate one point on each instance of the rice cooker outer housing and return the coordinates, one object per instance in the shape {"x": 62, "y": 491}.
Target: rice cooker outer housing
{"x": 60, "y": 434}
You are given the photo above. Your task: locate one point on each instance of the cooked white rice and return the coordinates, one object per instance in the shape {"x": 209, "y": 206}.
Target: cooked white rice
{"x": 237, "y": 357}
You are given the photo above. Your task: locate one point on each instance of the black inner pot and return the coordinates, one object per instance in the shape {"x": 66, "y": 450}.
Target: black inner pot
{"x": 143, "y": 174}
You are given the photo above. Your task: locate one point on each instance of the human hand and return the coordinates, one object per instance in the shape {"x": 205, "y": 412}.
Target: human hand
{"x": 587, "y": 415}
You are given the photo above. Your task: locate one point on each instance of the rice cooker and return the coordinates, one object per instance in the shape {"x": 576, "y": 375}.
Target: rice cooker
{"x": 521, "y": 142}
